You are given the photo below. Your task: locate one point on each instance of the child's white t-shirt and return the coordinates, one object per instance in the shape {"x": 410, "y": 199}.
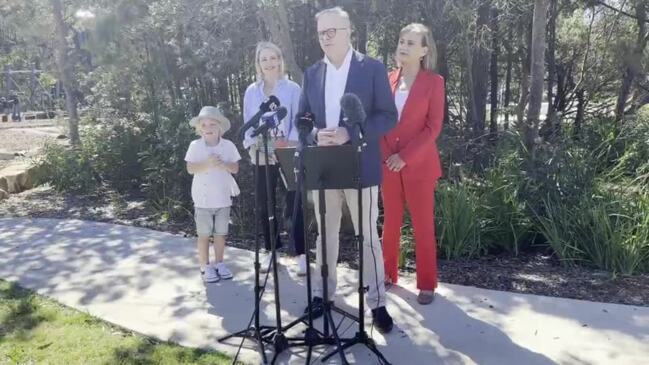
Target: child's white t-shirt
{"x": 214, "y": 187}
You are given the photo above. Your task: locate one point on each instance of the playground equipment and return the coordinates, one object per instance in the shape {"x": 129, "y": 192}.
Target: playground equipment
{"x": 22, "y": 90}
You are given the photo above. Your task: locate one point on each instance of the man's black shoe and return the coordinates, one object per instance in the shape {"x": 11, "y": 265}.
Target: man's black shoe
{"x": 317, "y": 305}
{"x": 382, "y": 320}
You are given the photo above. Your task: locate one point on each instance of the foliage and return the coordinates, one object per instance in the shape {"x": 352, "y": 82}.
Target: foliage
{"x": 146, "y": 66}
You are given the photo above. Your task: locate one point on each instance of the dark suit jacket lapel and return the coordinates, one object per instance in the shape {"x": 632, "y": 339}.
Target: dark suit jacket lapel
{"x": 319, "y": 107}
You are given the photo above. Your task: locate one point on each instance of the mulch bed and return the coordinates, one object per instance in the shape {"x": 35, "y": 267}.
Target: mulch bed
{"x": 530, "y": 273}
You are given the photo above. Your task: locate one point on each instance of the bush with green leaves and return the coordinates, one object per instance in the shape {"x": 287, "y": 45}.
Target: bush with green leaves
{"x": 66, "y": 169}
{"x": 165, "y": 180}
{"x": 608, "y": 231}
{"x": 632, "y": 147}
{"x": 113, "y": 145}
{"x": 589, "y": 210}
{"x": 458, "y": 222}
{"x": 506, "y": 223}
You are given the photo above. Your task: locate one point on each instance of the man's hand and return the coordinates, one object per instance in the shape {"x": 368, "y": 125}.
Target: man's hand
{"x": 395, "y": 163}
{"x": 262, "y": 156}
{"x": 333, "y": 136}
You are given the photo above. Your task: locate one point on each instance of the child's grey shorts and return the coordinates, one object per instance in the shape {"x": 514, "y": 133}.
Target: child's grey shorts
{"x": 212, "y": 222}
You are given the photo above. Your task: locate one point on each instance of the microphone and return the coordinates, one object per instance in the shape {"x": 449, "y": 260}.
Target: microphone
{"x": 268, "y": 105}
{"x": 305, "y": 122}
{"x": 353, "y": 112}
{"x": 270, "y": 120}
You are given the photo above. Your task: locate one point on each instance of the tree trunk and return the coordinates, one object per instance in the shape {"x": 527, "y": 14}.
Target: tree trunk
{"x": 479, "y": 68}
{"x": 537, "y": 71}
{"x": 66, "y": 73}
{"x": 550, "y": 56}
{"x": 363, "y": 12}
{"x": 633, "y": 63}
{"x": 560, "y": 101}
{"x": 525, "y": 39}
{"x": 276, "y": 20}
{"x": 508, "y": 77}
{"x": 385, "y": 49}
{"x": 579, "y": 119}
{"x": 493, "y": 122}
{"x": 442, "y": 69}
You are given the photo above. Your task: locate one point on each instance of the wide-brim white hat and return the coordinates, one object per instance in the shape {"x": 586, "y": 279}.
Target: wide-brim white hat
{"x": 211, "y": 112}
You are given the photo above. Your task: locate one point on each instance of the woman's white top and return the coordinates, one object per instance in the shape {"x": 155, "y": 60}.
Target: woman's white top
{"x": 400, "y": 97}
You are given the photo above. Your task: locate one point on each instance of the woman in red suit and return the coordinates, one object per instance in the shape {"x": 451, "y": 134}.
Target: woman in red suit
{"x": 411, "y": 160}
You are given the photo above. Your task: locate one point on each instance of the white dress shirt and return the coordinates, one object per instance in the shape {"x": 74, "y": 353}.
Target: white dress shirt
{"x": 335, "y": 82}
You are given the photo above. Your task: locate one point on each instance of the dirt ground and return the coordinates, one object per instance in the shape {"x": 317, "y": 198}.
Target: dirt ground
{"x": 536, "y": 273}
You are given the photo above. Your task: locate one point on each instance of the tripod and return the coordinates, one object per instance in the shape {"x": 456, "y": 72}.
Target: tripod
{"x": 264, "y": 334}
{"x": 323, "y": 168}
{"x": 292, "y": 169}
{"x": 361, "y": 336}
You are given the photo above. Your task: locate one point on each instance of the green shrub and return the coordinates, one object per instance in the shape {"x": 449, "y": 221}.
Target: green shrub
{"x": 610, "y": 232}
{"x": 561, "y": 227}
{"x": 113, "y": 145}
{"x": 507, "y": 226}
{"x": 620, "y": 233}
{"x": 165, "y": 180}
{"x": 66, "y": 169}
{"x": 458, "y": 222}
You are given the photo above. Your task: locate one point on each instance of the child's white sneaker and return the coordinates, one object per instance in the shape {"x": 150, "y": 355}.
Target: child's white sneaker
{"x": 209, "y": 274}
{"x": 301, "y": 265}
{"x": 223, "y": 272}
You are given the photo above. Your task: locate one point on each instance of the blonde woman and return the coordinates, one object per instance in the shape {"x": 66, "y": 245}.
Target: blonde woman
{"x": 272, "y": 80}
{"x": 411, "y": 165}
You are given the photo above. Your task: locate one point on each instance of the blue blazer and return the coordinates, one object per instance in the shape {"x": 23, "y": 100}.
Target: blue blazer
{"x": 368, "y": 79}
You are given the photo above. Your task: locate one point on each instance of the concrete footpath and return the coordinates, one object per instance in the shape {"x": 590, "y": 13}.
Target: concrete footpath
{"x": 148, "y": 281}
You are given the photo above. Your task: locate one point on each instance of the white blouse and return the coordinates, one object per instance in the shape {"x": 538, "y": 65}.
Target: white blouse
{"x": 400, "y": 97}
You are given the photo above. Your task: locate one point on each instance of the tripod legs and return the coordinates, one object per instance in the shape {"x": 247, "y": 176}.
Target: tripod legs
{"x": 264, "y": 334}
{"x": 359, "y": 338}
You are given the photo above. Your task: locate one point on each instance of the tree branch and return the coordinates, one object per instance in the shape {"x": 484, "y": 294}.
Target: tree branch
{"x": 602, "y": 3}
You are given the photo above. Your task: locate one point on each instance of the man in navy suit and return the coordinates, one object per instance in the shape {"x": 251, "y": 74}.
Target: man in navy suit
{"x": 344, "y": 70}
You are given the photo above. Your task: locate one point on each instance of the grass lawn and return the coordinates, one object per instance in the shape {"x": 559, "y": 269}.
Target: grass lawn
{"x": 36, "y": 330}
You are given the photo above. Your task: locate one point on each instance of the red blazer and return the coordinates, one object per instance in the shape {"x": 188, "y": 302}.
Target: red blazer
{"x": 418, "y": 128}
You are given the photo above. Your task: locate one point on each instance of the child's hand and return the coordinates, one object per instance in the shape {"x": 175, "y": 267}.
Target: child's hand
{"x": 215, "y": 161}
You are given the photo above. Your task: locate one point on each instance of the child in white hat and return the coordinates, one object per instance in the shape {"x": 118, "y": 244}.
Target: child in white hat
{"x": 212, "y": 160}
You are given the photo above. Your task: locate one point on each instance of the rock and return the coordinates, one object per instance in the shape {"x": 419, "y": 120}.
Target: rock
{"x": 3, "y": 194}
{"x": 17, "y": 177}
{"x": 61, "y": 136}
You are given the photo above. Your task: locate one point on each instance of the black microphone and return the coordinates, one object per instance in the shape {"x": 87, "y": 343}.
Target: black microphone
{"x": 305, "y": 122}
{"x": 353, "y": 112}
{"x": 270, "y": 120}
{"x": 266, "y": 106}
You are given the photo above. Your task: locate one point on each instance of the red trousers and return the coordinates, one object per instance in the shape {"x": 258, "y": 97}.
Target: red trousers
{"x": 420, "y": 199}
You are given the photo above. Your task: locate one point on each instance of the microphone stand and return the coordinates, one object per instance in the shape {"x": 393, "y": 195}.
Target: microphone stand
{"x": 361, "y": 336}
{"x": 279, "y": 340}
{"x": 312, "y": 337}
{"x": 256, "y": 332}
